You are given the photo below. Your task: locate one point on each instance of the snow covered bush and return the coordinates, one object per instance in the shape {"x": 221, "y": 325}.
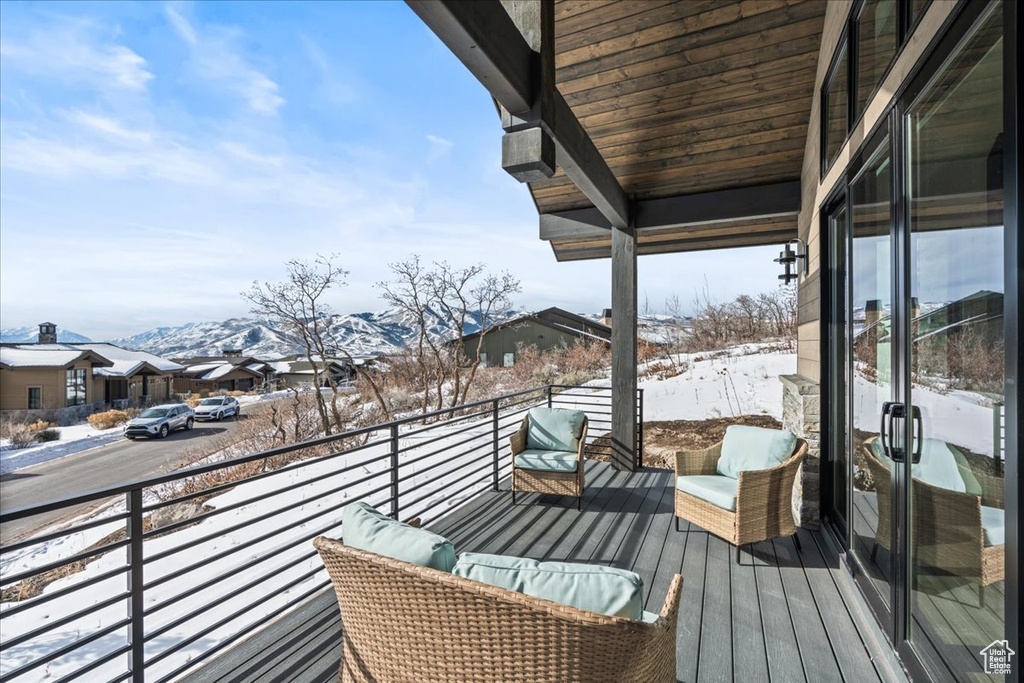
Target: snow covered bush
{"x": 108, "y": 419}
{"x": 48, "y": 434}
{"x": 20, "y": 435}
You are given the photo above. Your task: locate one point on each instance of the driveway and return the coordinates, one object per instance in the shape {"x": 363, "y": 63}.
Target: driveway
{"x": 93, "y": 469}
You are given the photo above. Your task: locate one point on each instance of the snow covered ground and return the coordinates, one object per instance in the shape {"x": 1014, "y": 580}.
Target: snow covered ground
{"x": 73, "y": 439}
{"x": 208, "y": 563}
{"x": 744, "y": 381}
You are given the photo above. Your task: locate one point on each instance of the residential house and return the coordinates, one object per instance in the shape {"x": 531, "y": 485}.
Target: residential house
{"x": 54, "y": 377}
{"x": 548, "y": 329}
{"x": 230, "y": 371}
{"x": 877, "y": 143}
{"x": 296, "y": 371}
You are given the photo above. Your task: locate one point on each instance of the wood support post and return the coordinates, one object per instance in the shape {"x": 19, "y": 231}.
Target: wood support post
{"x": 624, "y": 304}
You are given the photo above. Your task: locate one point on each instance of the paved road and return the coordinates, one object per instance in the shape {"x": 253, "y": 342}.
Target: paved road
{"x": 94, "y": 469}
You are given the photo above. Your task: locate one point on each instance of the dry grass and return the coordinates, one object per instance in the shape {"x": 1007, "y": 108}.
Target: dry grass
{"x": 108, "y": 419}
{"x": 664, "y": 438}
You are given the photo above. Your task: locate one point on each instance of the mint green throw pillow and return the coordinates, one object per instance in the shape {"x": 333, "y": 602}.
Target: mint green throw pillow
{"x": 365, "y": 528}
{"x": 753, "y": 448}
{"x": 595, "y": 588}
{"x": 554, "y": 429}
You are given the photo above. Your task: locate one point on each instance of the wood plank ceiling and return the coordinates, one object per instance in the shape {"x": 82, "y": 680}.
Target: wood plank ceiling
{"x": 686, "y": 97}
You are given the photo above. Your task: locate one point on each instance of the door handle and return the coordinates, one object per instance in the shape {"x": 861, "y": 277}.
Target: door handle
{"x": 915, "y": 456}
{"x": 891, "y": 411}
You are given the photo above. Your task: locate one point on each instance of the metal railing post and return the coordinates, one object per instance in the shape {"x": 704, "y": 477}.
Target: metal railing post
{"x": 549, "y": 395}
{"x": 136, "y": 605}
{"x": 494, "y": 423}
{"x": 394, "y": 471}
{"x": 640, "y": 429}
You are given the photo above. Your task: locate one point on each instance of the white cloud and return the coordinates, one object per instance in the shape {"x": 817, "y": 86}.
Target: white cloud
{"x": 106, "y": 125}
{"x": 75, "y": 52}
{"x": 439, "y": 147}
{"x": 215, "y": 58}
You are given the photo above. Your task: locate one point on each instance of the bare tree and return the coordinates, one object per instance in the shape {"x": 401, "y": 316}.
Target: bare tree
{"x": 460, "y": 293}
{"x": 451, "y": 298}
{"x": 297, "y": 308}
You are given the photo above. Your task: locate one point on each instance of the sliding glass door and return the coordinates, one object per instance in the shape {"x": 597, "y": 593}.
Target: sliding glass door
{"x": 954, "y": 152}
{"x": 916, "y": 345}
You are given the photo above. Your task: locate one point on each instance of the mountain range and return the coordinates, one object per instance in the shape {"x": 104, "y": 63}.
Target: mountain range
{"x": 359, "y": 333}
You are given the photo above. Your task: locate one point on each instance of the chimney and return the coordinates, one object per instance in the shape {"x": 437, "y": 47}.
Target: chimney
{"x": 47, "y": 333}
{"x": 872, "y": 311}
{"x": 606, "y": 317}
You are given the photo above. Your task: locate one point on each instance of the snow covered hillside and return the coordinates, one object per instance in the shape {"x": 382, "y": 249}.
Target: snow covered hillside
{"x": 359, "y": 333}
{"x": 28, "y": 335}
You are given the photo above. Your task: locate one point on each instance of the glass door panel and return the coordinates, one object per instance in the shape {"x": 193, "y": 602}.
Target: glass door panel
{"x": 870, "y": 365}
{"x": 954, "y": 161}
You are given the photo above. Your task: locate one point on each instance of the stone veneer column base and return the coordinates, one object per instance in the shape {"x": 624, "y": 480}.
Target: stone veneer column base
{"x": 801, "y": 406}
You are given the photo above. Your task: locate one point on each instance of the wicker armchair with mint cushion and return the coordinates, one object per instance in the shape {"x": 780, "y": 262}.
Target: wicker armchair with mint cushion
{"x": 547, "y": 453}
{"x": 741, "y": 488}
{"x": 405, "y": 622}
{"x": 959, "y": 516}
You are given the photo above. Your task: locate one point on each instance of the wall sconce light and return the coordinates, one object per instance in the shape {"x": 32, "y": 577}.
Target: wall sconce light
{"x": 788, "y": 258}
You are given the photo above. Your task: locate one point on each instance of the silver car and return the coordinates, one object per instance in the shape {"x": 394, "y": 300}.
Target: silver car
{"x": 217, "y": 408}
{"x": 159, "y": 421}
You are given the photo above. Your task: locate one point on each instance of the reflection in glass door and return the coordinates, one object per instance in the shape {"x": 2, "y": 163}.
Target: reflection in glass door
{"x": 869, "y": 365}
{"x": 954, "y": 162}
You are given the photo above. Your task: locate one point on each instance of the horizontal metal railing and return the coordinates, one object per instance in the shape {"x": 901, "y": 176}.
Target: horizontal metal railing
{"x": 116, "y": 596}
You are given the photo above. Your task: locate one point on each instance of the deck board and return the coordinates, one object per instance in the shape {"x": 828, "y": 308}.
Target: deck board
{"x": 768, "y": 619}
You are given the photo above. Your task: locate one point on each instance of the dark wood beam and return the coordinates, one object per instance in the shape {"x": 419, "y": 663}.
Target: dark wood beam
{"x": 603, "y": 251}
{"x": 759, "y": 201}
{"x": 492, "y": 46}
{"x": 487, "y": 42}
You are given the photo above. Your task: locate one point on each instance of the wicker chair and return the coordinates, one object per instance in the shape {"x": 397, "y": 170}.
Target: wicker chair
{"x": 948, "y": 535}
{"x": 402, "y": 622}
{"x": 536, "y": 481}
{"x": 763, "y": 499}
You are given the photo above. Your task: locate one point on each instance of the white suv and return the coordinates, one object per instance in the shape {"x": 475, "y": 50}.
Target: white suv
{"x": 217, "y": 408}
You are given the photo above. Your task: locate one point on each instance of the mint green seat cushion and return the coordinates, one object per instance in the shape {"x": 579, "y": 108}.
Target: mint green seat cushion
{"x": 716, "y": 489}
{"x": 365, "y": 528}
{"x": 595, "y": 588}
{"x": 993, "y": 523}
{"x": 753, "y": 448}
{"x": 546, "y": 461}
{"x": 554, "y": 429}
{"x": 649, "y": 617}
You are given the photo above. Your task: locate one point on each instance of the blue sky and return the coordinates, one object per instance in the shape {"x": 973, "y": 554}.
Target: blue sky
{"x": 156, "y": 158}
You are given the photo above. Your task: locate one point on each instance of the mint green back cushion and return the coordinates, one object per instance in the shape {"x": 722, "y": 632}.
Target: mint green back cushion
{"x": 595, "y": 588}
{"x": 753, "y": 448}
{"x": 365, "y": 528}
{"x": 554, "y": 429}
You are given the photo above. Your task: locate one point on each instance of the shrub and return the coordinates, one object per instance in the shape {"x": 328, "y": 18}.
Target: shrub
{"x": 48, "y": 434}
{"x": 204, "y": 393}
{"x": 108, "y": 419}
{"x": 20, "y": 435}
{"x": 39, "y": 425}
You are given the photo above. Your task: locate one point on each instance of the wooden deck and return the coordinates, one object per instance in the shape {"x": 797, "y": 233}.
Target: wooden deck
{"x": 779, "y": 615}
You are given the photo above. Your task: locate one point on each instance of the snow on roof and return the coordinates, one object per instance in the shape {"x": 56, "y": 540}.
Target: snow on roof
{"x": 256, "y": 367}
{"x": 219, "y": 371}
{"x": 39, "y": 356}
{"x": 127, "y": 363}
